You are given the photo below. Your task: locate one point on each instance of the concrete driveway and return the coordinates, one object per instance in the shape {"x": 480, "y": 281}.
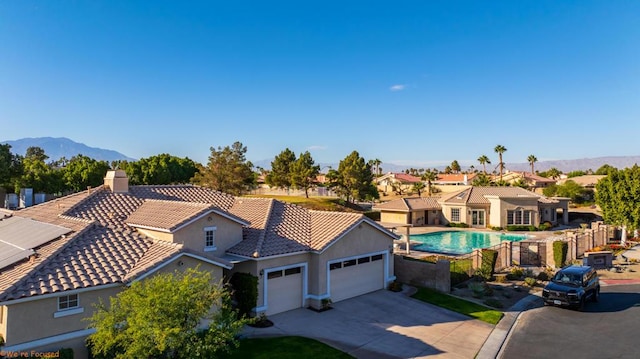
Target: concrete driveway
{"x": 384, "y": 324}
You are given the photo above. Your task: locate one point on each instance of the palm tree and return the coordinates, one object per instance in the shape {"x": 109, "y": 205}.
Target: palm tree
{"x": 532, "y": 159}
{"x": 500, "y": 149}
{"x": 429, "y": 176}
{"x": 484, "y": 160}
{"x": 554, "y": 173}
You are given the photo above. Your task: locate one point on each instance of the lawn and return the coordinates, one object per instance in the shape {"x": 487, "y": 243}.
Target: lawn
{"x": 458, "y": 305}
{"x": 284, "y": 348}
{"x": 315, "y": 203}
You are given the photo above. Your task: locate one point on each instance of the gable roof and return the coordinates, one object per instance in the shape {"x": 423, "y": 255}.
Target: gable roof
{"x": 399, "y": 177}
{"x": 478, "y": 195}
{"x": 410, "y": 204}
{"x": 103, "y": 246}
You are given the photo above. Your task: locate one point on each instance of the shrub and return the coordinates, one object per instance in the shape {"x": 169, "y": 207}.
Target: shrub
{"x": 245, "y": 290}
{"x": 492, "y": 302}
{"x": 488, "y": 264}
{"x": 544, "y": 226}
{"x": 560, "y": 249}
{"x": 516, "y": 273}
{"x": 373, "y": 215}
{"x": 528, "y": 273}
{"x": 65, "y": 353}
{"x": 457, "y": 225}
{"x": 477, "y": 289}
{"x": 543, "y": 276}
{"x": 531, "y": 282}
{"x": 488, "y": 290}
{"x": 496, "y": 228}
{"x": 501, "y": 278}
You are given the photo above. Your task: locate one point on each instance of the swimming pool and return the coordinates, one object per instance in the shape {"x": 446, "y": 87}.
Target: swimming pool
{"x": 460, "y": 242}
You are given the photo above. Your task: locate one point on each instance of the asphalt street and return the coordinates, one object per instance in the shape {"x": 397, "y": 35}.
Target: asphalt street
{"x": 607, "y": 329}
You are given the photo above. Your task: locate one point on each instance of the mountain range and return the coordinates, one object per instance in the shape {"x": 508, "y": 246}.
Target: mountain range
{"x": 57, "y": 148}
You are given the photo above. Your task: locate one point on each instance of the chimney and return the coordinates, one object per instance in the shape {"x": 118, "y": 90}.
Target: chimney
{"x": 117, "y": 181}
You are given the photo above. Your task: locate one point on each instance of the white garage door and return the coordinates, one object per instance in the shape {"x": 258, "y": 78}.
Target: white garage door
{"x": 284, "y": 290}
{"x": 355, "y": 277}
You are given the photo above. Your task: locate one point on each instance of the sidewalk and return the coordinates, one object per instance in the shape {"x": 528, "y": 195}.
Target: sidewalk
{"x": 498, "y": 336}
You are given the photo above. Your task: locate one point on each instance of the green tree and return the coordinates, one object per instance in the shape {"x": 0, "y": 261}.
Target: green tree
{"x": 418, "y": 187}
{"x": 481, "y": 180}
{"x": 554, "y": 173}
{"x": 353, "y": 180}
{"x": 81, "y": 172}
{"x": 280, "y": 174}
{"x": 304, "y": 173}
{"x": 577, "y": 173}
{"x": 455, "y": 166}
{"x": 618, "y": 196}
{"x": 227, "y": 170}
{"x": 484, "y": 161}
{"x": 500, "y": 149}
{"x": 604, "y": 170}
{"x": 161, "y": 169}
{"x": 159, "y": 317}
{"x": 10, "y": 168}
{"x": 37, "y": 174}
{"x": 532, "y": 160}
{"x": 429, "y": 177}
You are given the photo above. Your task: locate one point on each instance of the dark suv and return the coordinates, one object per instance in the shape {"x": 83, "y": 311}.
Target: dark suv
{"x": 572, "y": 287}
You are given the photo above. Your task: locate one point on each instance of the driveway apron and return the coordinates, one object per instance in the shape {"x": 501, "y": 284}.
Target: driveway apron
{"x": 384, "y": 324}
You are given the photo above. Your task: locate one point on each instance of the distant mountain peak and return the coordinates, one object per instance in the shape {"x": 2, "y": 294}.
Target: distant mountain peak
{"x": 58, "y": 147}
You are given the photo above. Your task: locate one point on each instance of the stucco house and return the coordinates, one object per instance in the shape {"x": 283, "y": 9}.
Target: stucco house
{"x": 479, "y": 207}
{"x": 59, "y": 258}
{"x": 391, "y": 182}
{"x": 531, "y": 180}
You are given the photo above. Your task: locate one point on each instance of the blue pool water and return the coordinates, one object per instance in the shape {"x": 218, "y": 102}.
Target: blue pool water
{"x": 460, "y": 242}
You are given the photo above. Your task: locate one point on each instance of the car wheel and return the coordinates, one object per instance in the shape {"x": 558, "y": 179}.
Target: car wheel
{"x": 596, "y": 295}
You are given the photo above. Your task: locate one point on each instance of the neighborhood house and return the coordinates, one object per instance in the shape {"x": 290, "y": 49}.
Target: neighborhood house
{"x": 480, "y": 207}
{"x": 60, "y": 257}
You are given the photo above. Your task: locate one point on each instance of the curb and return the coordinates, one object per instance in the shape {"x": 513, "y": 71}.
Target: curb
{"x": 494, "y": 344}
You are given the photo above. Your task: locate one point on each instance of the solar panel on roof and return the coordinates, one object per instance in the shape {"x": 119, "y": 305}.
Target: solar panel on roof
{"x": 19, "y": 236}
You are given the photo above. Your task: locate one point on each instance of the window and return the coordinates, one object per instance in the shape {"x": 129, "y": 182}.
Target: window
{"x": 292, "y": 271}
{"x": 455, "y": 214}
{"x": 275, "y": 274}
{"x": 364, "y": 260}
{"x": 210, "y": 238}
{"x": 349, "y": 263}
{"x": 67, "y": 302}
{"x": 377, "y": 257}
{"x": 337, "y": 265}
{"x": 519, "y": 217}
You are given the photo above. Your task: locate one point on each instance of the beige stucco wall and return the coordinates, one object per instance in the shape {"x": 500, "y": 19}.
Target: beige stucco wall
{"x": 446, "y": 212}
{"x": 3, "y": 321}
{"x": 495, "y": 216}
{"x": 228, "y": 233}
{"x": 527, "y": 204}
{"x": 33, "y": 320}
{"x": 361, "y": 240}
{"x": 394, "y": 217}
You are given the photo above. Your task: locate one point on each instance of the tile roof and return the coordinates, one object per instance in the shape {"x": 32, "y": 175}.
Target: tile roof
{"x": 103, "y": 248}
{"x": 408, "y": 204}
{"x": 477, "y": 195}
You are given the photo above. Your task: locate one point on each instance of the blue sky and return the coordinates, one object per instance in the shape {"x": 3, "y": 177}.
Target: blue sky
{"x": 418, "y": 83}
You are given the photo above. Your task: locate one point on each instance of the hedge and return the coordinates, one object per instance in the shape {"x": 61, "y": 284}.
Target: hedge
{"x": 560, "y": 249}
{"x": 245, "y": 292}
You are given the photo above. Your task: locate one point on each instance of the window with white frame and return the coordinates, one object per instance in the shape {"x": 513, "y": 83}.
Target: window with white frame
{"x": 455, "y": 214}
{"x": 519, "y": 217}
{"x": 210, "y": 238}
{"x": 67, "y": 302}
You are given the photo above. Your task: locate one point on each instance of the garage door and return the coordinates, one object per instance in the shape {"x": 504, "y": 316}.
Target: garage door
{"x": 284, "y": 290}
{"x": 355, "y": 277}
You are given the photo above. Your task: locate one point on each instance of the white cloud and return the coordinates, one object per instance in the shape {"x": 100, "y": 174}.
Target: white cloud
{"x": 397, "y": 87}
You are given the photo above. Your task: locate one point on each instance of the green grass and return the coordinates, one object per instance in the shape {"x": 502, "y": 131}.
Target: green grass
{"x": 458, "y": 305}
{"x": 315, "y": 203}
{"x": 284, "y": 348}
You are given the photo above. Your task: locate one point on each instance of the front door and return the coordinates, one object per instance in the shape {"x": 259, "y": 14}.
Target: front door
{"x": 477, "y": 217}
